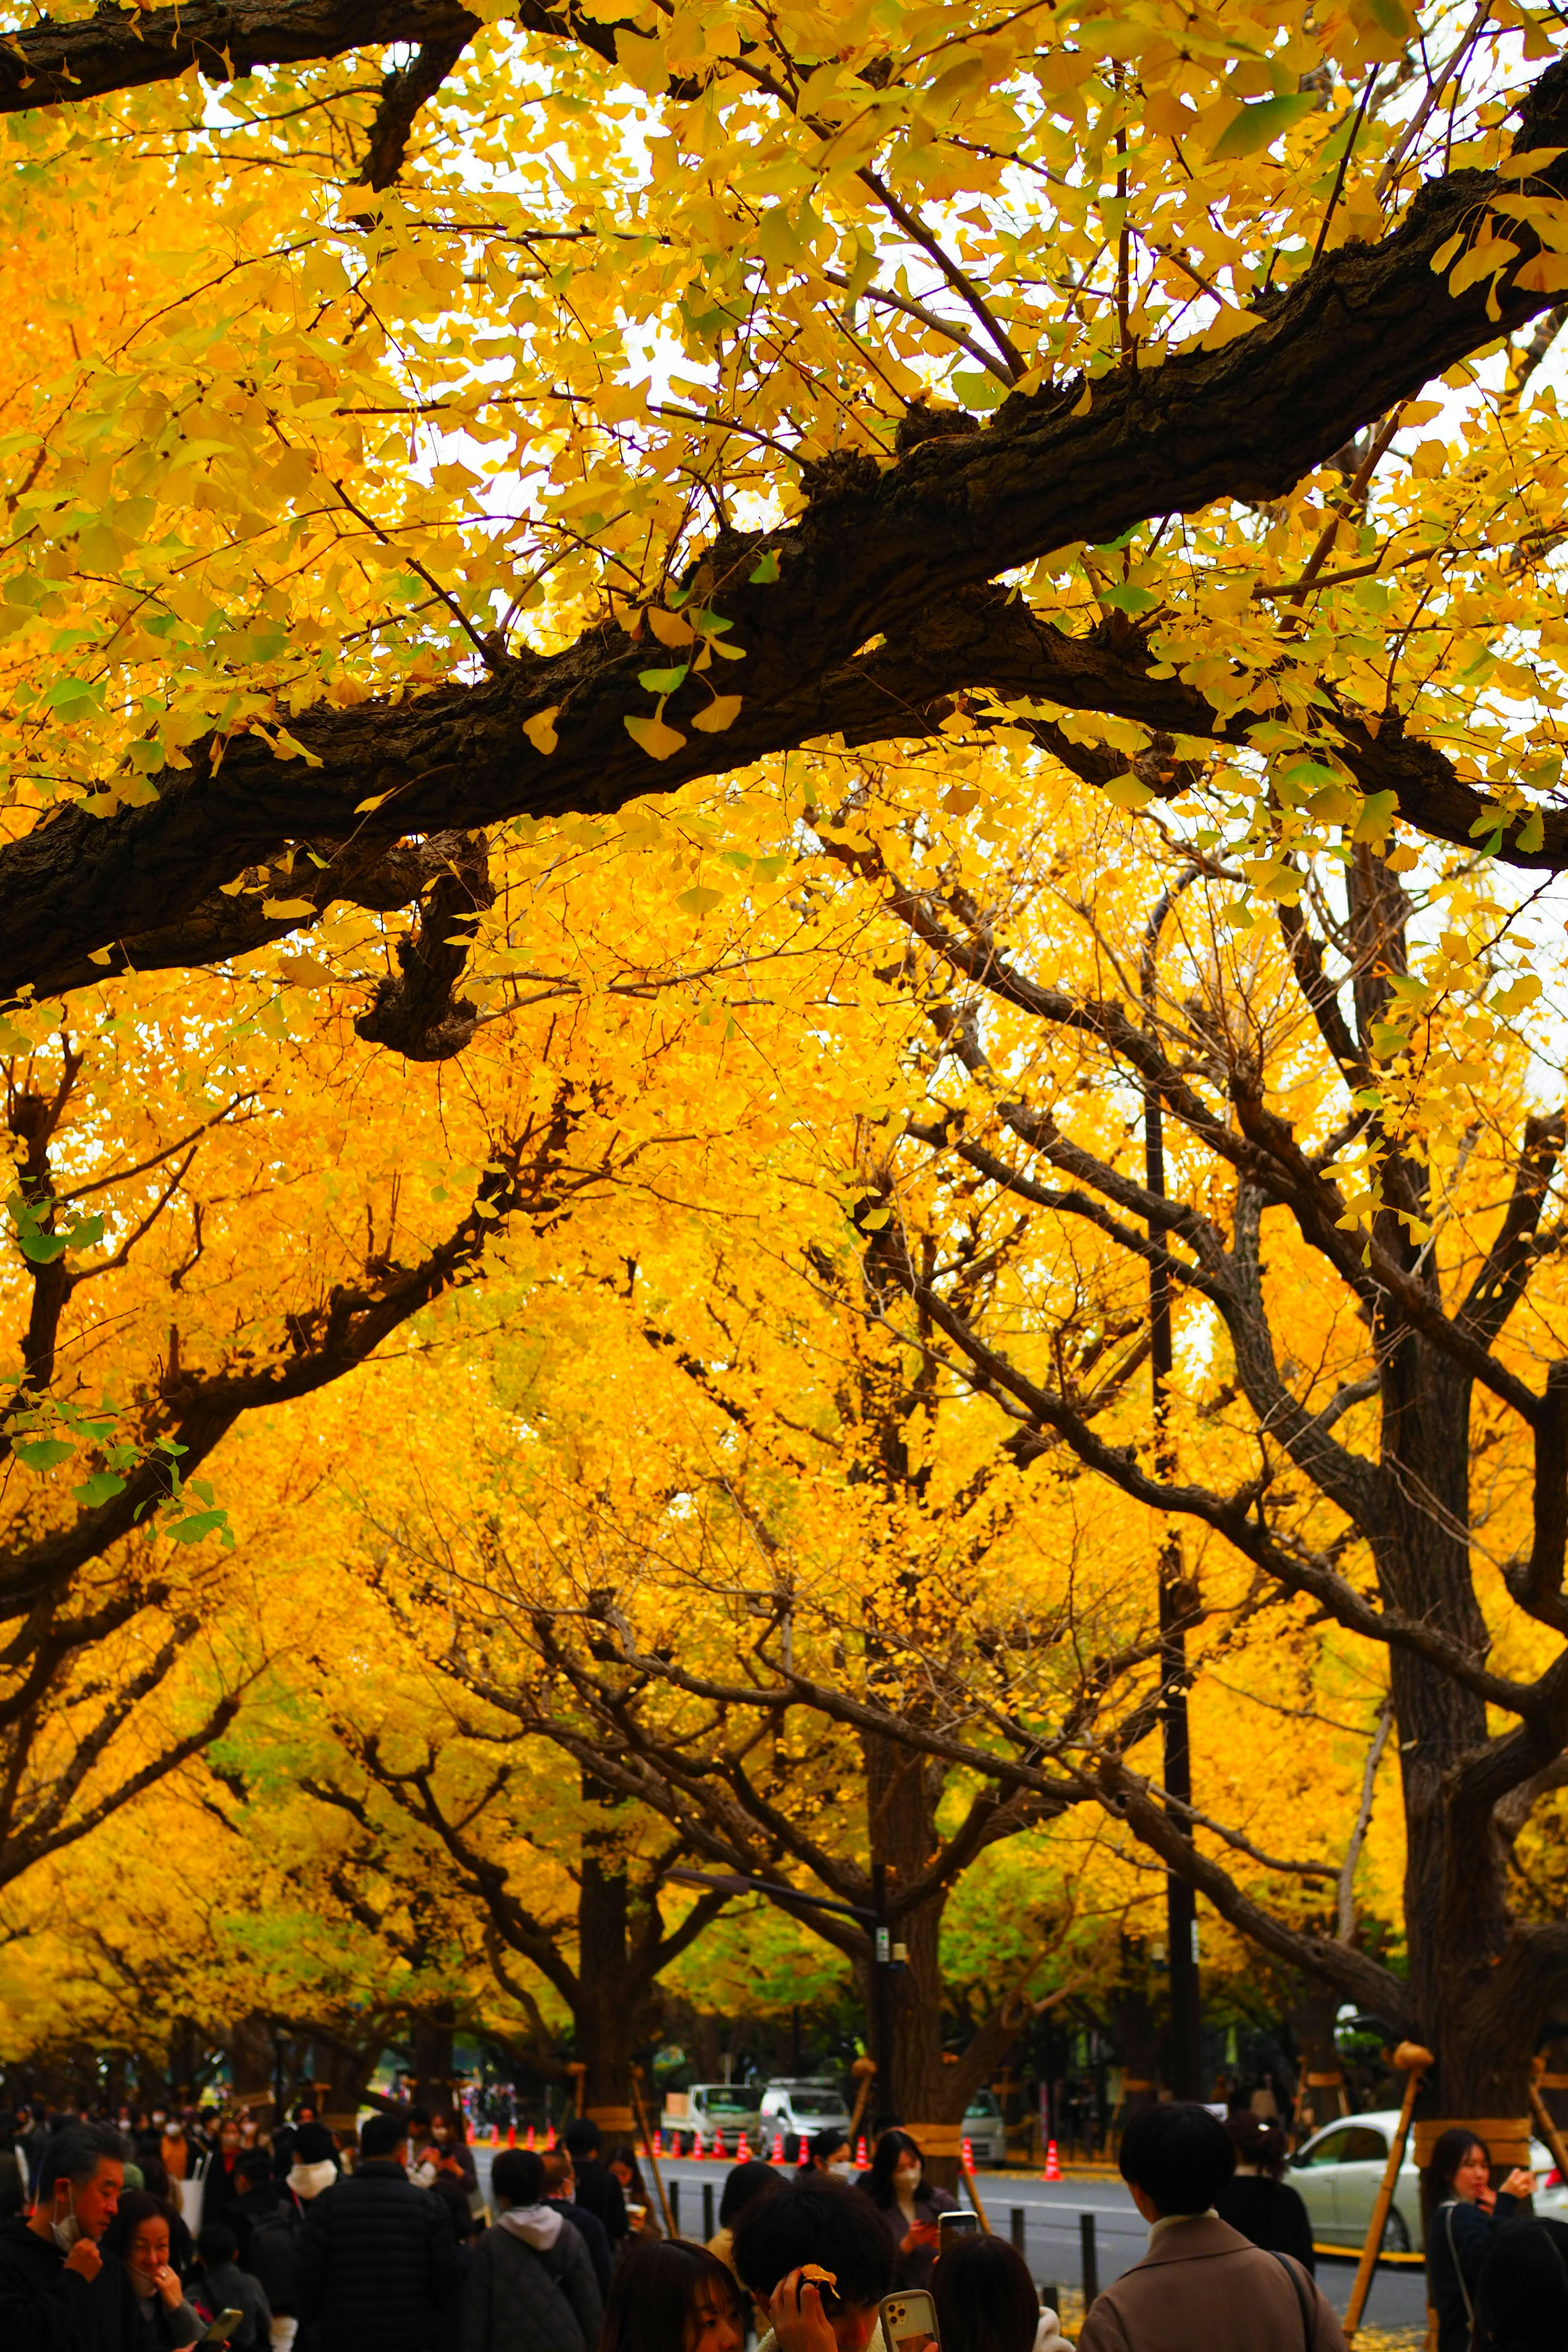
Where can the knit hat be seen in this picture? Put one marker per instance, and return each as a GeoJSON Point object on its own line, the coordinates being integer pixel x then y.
{"type": "Point", "coordinates": [314, 2144]}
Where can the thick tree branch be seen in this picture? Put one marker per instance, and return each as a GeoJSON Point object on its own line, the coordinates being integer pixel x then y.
{"type": "Point", "coordinates": [1363, 330]}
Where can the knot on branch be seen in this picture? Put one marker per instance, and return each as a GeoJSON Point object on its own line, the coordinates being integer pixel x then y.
{"type": "Point", "coordinates": [920, 422]}
{"type": "Point", "coordinates": [416, 1012]}
{"type": "Point", "coordinates": [841, 475]}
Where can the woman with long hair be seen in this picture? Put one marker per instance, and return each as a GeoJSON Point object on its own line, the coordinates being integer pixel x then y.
{"type": "Point", "coordinates": [986, 2300]}
{"type": "Point", "coordinates": [139, 2235]}
{"type": "Point", "coordinates": [1462, 2211]}
{"type": "Point", "coordinates": [627, 2172]}
{"type": "Point", "coordinates": [669, 2295]}
{"type": "Point", "coordinates": [1257, 2200]}
{"type": "Point", "coordinates": [910, 2209]}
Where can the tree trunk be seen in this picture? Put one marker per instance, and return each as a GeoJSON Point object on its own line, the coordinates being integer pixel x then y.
{"type": "Point", "coordinates": [608, 2008]}
{"type": "Point", "coordinates": [252, 2059]}
{"type": "Point", "coordinates": [430, 2056]}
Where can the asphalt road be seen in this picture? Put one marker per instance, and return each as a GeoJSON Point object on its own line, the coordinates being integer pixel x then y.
{"type": "Point", "coordinates": [1052, 2239]}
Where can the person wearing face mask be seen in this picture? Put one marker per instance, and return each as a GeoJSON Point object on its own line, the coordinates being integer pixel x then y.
{"type": "Point", "coordinates": [827, 2152]}
{"type": "Point", "coordinates": [897, 2187]}
{"type": "Point", "coordinates": [1465, 2210]}
{"type": "Point", "coordinates": [139, 2235]}
{"type": "Point", "coordinates": [58, 2291]}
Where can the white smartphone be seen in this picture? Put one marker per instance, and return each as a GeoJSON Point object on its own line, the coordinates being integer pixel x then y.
{"type": "Point", "coordinates": [909, 2321]}
{"type": "Point", "coordinates": [222, 2328]}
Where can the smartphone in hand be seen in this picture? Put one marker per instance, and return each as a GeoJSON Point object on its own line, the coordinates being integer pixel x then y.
{"type": "Point", "coordinates": [909, 2321]}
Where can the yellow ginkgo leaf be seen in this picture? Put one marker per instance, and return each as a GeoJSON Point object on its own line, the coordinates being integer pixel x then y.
{"type": "Point", "coordinates": [668, 628]}
{"type": "Point", "coordinates": [722, 712]}
{"type": "Point", "coordinates": [652, 736]}
{"type": "Point", "coordinates": [541, 729]}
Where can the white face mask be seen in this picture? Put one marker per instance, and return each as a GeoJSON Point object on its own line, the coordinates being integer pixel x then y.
{"type": "Point", "coordinates": [68, 2231]}
{"type": "Point", "coordinates": [908, 2177]}
{"type": "Point", "coordinates": [844, 2166]}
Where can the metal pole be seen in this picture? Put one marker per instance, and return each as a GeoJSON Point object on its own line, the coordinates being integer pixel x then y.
{"type": "Point", "coordinates": [674, 2205]}
{"type": "Point", "coordinates": [1180, 1902]}
{"type": "Point", "coordinates": [1018, 2222]}
{"type": "Point", "coordinates": [708, 2225]}
{"type": "Point", "coordinates": [1090, 2258]}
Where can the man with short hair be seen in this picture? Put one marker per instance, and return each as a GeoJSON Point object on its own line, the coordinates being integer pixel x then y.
{"type": "Point", "coordinates": [530, 2285]}
{"type": "Point", "coordinates": [815, 2219]}
{"type": "Point", "coordinates": [58, 2291]}
{"type": "Point", "coordinates": [598, 2189]}
{"type": "Point", "coordinates": [1202, 2286]}
{"type": "Point", "coordinates": [561, 2189]}
{"type": "Point", "coordinates": [377, 2261]}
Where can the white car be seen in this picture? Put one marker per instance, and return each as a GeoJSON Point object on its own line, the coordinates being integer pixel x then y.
{"type": "Point", "coordinates": [798, 2106]}
{"type": "Point", "coordinates": [1340, 2171]}
{"type": "Point", "coordinates": [985, 2129]}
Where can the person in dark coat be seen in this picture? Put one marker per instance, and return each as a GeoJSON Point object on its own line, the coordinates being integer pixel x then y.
{"type": "Point", "coordinates": [910, 2210]}
{"type": "Point", "coordinates": [530, 2285]}
{"type": "Point", "coordinates": [140, 2234]}
{"type": "Point", "coordinates": [1463, 2210]}
{"type": "Point", "coordinates": [224, 2286]}
{"type": "Point", "coordinates": [58, 2291]}
{"type": "Point", "coordinates": [1257, 2201]}
{"type": "Point", "coordinates": [377, 2261]}
{"type": "Point", "coordinates": [560, 2189]}
{"type": "Point", "coordinates": [597, 2187]}
{"type": "Point", "coordinates": [1522, 2294]}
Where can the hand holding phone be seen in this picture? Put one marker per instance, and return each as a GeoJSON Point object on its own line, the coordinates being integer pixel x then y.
{"type": "Point", "coordinates": [909, 2321]}
{"type": "Point", "coordinates": [222, 2328]}
{"type": "Point", "coordinates": [950, 2227]}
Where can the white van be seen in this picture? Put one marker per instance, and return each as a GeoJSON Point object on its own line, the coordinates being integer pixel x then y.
{"type": "Point", "coordinates": [799, 2107]}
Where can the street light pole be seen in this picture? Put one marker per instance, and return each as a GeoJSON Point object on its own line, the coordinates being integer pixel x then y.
{"type": "Point", "coordinates": [1180, 1902]}
{"type": "Point", "coordinates": [882, 1989]}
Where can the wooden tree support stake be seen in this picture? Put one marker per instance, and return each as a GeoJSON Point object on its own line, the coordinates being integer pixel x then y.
{"type": "Point", "coordinates": [1410, 2059]}
{"type": "Point", "coordinates": [647, 2143]}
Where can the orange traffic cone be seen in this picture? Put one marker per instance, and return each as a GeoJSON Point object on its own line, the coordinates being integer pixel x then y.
{"type": "Point", "coordinates": [778, 2155]}
{"type": "Point", "coordinates": [861, 2159]}
{"type": "Point", "coordinates": [657, 2140]}
{"type": "Point", "coordinates": [511, 2135]}
{"type": "Point", "coordinates": [742, 2149]}
{"type": "Point", "coordinates": [718, 2147]}
{"type": "Point", "coordinates": [529, 2141]}
{"type": "Point", "coordinates": [968, 2157]}
{"type": "Point", "coordinates": [549, 2139]}
{"type": "Point", "coordinates": [1053, 2161]}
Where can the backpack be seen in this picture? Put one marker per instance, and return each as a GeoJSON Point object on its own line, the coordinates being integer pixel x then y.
{"type": "Point", "coordinates": [274, 2238]}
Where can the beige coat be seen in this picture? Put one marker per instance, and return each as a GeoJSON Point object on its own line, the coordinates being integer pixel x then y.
{"type": "Point", "coordinates": [1203, 2287]}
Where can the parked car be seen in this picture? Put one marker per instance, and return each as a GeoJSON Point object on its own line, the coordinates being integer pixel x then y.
{"type": "Point", "coordinates": [1340, 2171]}
{"type": "Point", "coordinates": [985, 2129]}
{"type": "Point", "coordinates": [797, 2107]}
{"type": "Point", "coordinates": [694, 2119]}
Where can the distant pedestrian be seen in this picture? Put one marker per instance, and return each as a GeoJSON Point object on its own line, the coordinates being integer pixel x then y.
{"type": "Point", "coordinates": [1202, 2286]}
{"type": "Point", "coordinates": [1463, 2209]}
{"type": "Point", "coordinates": [530, 2285]}
{"type": "Point", "coordinates": [1256, 2200]}
{"type": "Point", "coordinates": [140, 2235]}
{"type": "Point", "coordinates": [58, 2291]}
{"type": "Point", "coordinates": [1522, 2294]}
{"type": "Point", "coordinates": [986, 2300]}
{"type": "Point", "coordinates": [377, 2261]}
{"type": "Point", "coordinates": [597, 2187]}
{"type": "Point", "coordinates": [909, 2206]}
{"type": "Point", "coordinates": [743, 2184]}
{"type": "Point", "coordinates": [829, 2150]}
{"type": "Point", "coordinates": [224, 2286]}
{"type": "Point", "coordinates": [13, 2169]}
{"type": "Point", "coordinates": [561, 2189]}
{"type": "Point", "coordinates": [672, 2296]}
{"type": "Point", "coordinates": [625, 2169]}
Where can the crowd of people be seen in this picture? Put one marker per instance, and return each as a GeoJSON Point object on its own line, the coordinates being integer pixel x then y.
{"type": "Point", "coordinates": [384, 2243]}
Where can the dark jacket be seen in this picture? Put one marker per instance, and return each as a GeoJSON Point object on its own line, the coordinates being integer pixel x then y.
{"type": "Point", "coordinates": [599, 2193]}
{"type": "Point", "coordinates": [224, 2286]}
{"type": "Point", "coordinates": [1271, 2214]}
{"type": "Point", "coordinates": [267, 2222]}
{"type": "Point", "coordinates": [1202, 2287]}
{"type": "Point", "coordinates": [913, 2269]}
{"type": "Point", "coordinates": [521, 2298]}
{"type": "Point", "coordinates": [44, 2307]}
{"type": "Point", "coordinates": [375, 2266]}
{"type": "Point", "coordinates": [1458, 2236]}
{"type": "Point", "coordinates": [590, 2229]}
